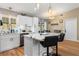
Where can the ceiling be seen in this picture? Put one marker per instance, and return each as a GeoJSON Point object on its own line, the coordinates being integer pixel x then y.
{"type": "Point", "coordinates": [29, 8]}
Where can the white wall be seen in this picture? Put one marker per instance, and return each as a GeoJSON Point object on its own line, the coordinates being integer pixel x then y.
{"type": "Point", "coordinates": [71, 29]}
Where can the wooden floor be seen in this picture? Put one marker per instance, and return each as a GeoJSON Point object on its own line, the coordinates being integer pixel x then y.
{"type": "Point", "coordinates": [69, 48]}
{"type": "Point", "coordinates": [13, 52]}
{"type": "Point", "coordinates": [66, 48]}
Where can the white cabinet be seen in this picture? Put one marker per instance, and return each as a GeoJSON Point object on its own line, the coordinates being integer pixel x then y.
{"type": "Point", "coordinates": [3, 44]}
{"type": "Point", "coordinates": [24, 20]}
{"type": "Point", "coordinates": [33, 47]}
{"type": "Point", "coordinates": [29, 22]}
{"type": "Point", "coordinates": [9, 41]}
{"type": "Point", "coordinates": [35, 27]}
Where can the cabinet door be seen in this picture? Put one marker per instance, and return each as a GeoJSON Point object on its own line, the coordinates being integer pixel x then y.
{"type": "Point", "coordinates": [16, 41]}
{"type": "Point", "coordinates": [10, 43]}
{"type": "Point", "coordinates": [3, 44]}
{"type": "Point", "coordinates": [28, 46]}
{"type": "Point", "coordinates": [22, 20]}
{"type": "Point", "coordinates": [28, 21]}
{"type": "Point", "coordinates": [6, 43]}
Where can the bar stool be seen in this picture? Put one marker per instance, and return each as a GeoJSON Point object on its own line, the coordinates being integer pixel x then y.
{"type": "Point", "coordinates": [49, 42]}
{"type": "Point", "coordinates": [61, 37]}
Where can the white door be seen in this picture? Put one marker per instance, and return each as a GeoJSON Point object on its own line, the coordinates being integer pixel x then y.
{"type": "Point", "coordinates": [71, 29]}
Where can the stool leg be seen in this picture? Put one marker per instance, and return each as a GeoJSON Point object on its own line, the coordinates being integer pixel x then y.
{"type": "Point", "coordinates": [47, 51]}
{"type": "Point", "coordinates": [57, 49]}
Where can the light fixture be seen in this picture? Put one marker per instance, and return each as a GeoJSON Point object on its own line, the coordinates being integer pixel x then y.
{"type": "Point", "coordinates": [61, 17]}
{"type": "Point", "coordinates": [36, 7]}
{"type": "Point", "coordinates": [9, 15]}
{"type": "Point", "coordinates": [52, 14]}
{"type": "Point", "coordinates": [50, 9]}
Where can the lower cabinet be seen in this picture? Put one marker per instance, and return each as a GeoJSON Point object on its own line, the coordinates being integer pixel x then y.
{"type": "Point", "coordinates": [9, 42]}
{"type": "Point", "coordinates": [33, 47]}
{"type": "Point", "coordinates": [3, 44]}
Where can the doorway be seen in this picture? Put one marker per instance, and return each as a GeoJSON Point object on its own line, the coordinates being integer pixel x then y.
{"type": "Point", "coordinates": [71, 29]}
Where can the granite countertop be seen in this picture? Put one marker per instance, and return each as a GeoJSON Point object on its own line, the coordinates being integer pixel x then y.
{"type": "Point", "coordinates": [35, 36]}
{"type": "Point", "coordinates": [41, 37]}
{"type": "Point", "coordinates": [4, 34]}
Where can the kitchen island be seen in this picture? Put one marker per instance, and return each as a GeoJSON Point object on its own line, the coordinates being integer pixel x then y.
{"type": "Point", "coordinates": [32, 46]}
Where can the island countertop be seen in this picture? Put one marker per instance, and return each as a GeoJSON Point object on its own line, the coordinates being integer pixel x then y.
{"type": "Point", "coordinates": [32, 46]}
{"type": "Point", "coordinates": [41, 37]}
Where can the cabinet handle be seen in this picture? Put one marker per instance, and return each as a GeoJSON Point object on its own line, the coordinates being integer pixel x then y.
{"type": "Point", "coordinates": [11, 39]}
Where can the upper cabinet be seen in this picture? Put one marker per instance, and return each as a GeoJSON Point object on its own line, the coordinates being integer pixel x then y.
{"type": "Point", "coordinates": [27, 23]}
{"type": "Point", "coordinates": [5, 20]}
{"type": "Point", "coordinates": [24, 20]}
{"type": "Point", "coordinates": [8, 22]}
{"type": "Point", "coordinates": [13, 21]}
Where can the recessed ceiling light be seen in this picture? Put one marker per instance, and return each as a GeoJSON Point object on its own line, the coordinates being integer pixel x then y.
{"type": "Point", "coordinates": [37, 5]}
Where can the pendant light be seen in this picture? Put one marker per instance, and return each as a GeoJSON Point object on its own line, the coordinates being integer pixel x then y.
{"type": "Point", "coordinates": [50, 12]}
